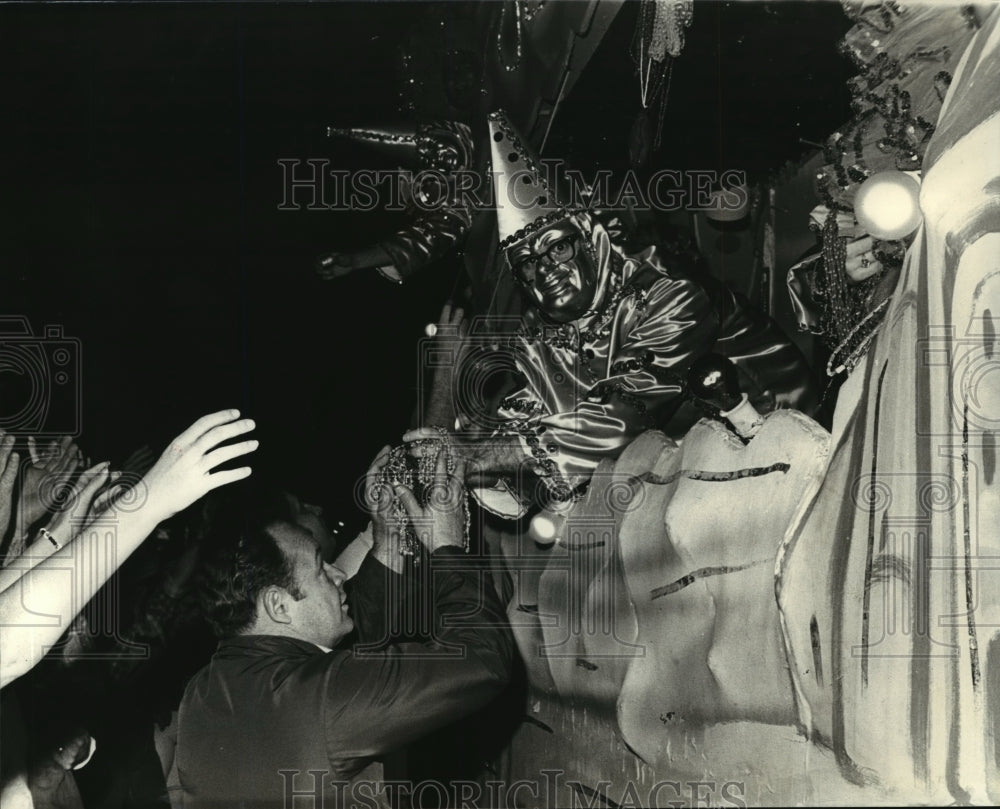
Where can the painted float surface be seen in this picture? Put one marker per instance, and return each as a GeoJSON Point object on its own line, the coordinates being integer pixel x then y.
{"type": "Point", "coordinates": [895, 560]}
{"type": "Point", "coordinates": [654, 649]}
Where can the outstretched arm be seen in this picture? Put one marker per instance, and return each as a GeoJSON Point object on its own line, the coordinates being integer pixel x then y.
{"type": "Point", "coordinates": [36, 608]}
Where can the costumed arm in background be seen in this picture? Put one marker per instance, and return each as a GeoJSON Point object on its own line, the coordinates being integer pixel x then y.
{"type": "Point", "coordinates": [864, 258]}
{"type": "Point", "coordinates": [443, 216]}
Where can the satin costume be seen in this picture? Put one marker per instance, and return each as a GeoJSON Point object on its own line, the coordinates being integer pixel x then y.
{"type": "Point", "coordinates": [440, 152]}
{"type": "Point", "coordinates": [593, 385]}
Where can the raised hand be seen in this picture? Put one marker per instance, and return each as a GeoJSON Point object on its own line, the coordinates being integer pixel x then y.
{"type": "Point", "coordinates": [183, 474]}
{"type": "Point", "coordinates": [861, 262]}
{"type": "Point", "coordinates": [441, 523]}
{"type": "Point", "coordinates": [9, 462]}
{"type": "Point", "coordinates": [452, 321]}
{"type": "Point", "coordinates": [344, 262]}
{"type": "Point", "coordinates": [139, 462]}
{"type": "Point", "coordinates": [57, 463]}
{"type": "Point", "coordinates": [378, 500]}
{"type": "Point", "coordinates": [78, 502]}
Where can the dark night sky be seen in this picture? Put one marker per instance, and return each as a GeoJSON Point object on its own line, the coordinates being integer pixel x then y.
{"type": "Point", "coordinates": [142, 190]}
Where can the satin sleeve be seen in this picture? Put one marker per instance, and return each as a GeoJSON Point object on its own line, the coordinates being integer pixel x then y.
{"type": "Point", "coordinates": [657, 334]}
{"type": "Point", "coordinates": [428, 238]}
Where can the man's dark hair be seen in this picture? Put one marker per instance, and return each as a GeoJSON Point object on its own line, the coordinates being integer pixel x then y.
{"type": "Point", "coordinates": [244, 557]}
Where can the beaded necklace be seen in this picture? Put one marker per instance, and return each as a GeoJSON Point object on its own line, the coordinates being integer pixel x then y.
{"type": "Point", "coordinates": [399, 470]}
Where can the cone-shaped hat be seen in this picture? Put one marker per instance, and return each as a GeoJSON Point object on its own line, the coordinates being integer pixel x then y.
{"type": "Point", "coordinates": [525, 200]}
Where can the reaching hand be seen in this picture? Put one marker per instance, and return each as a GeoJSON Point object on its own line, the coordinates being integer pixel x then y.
{"type": "Point", "coordinates": [76, 510]}
{"type": "Point", "coordinates": [378, 499]}
{"type": "Point", "coordinates": [441, 523]}
{"type": "Point", "coordinates": [9, 462]}
{"type": "Point", "coordinates": [451, 332]}
{"type": "Point", "coordinates": [109, 495]}
{"type": "Point", "coordinates": [334, 265]}
{"type": "Point", "coordinates": [139, 462]}
{"type": "Point", "coordinates": [341, 263]}
{"type": "Point", "coordinates": [183, 474]}
{"type": "Point", "coordinates": [861, 262]}
{"type": "Point", "coordinates": [452, 321]}
{"type": "Point", "coordinates": [56, 464]}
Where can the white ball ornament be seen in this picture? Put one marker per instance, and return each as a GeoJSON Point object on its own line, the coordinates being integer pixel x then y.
{"type": "Point", "coordinates": [543, 528]}
{"type": "Point", "coordinates": [887, 205]}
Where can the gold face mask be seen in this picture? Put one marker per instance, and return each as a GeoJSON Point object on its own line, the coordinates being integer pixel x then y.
{"type": "Point", "coordinates": [556, 269]}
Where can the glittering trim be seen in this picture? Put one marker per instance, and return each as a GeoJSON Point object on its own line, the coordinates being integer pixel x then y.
{"type": "Point", "coordinates": [540, 223]}
{"type": "Point", "coordinates": [371, 136]}
{"type": "Point", "coordinates": [525, 406]}
{"type": "Point", "coordinates": [541, 464]}
{"type": "Point", "coordinates": [517, 145]}
{"type": "Point", "coordinates": [603, 391]}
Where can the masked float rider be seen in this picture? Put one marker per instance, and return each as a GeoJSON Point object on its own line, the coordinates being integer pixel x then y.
{"type": "Point", "coordinates": [607, 339]}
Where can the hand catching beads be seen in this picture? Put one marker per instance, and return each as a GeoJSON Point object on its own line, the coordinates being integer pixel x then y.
{"type": "Point", "coordinates": [484, 461]}
{"type": "Point", "coordinates": [384, 510]}
{"type": "Point", "coordinates": [441, 520]}
{"type": "Point", "coordinates": [861, 262]}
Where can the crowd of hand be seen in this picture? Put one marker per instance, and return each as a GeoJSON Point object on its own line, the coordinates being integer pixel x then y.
{"type": "Point", "coordinates": [51, 500]}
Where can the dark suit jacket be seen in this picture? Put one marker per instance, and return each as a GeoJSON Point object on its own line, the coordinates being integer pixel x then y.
{"type": "Point", "coordinates": [272, 716]}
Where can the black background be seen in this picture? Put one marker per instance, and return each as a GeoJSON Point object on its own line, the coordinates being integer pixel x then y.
{"type": "Point", "coordinates": [141, 192]}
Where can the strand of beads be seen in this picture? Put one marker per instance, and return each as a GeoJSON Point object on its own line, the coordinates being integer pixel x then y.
{"type": "Point", "coordinates": [399, 470]}
{"type": "Point", "coordinates": [838, 315]}
{"type": "Point", "coordinates": [518, 46]}
{"type": "Point", "coordinates": [851, 356]}
{"type": "Point", "coordinates": [524, 13]}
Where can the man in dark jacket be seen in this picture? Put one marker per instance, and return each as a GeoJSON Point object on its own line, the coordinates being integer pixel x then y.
{"type": "Point", "coordinates": [280, 717]}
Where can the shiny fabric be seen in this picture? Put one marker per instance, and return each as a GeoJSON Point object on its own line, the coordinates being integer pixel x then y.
{"type": "Point", "coordinates": [268, 704]}
{"type": "Point", "coordinates": [444, 147]}
{"type": "Point", "coordinates": [427, 238]}
{"type": "Point", "coordinates": [649, 322]}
